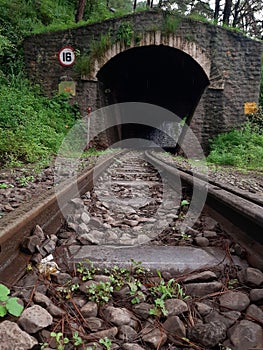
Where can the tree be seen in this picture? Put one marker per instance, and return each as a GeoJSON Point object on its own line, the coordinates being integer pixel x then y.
{"type": "Point", "coordinates": [227, 11]}
{"type": "Point", "coordinates": [217, 10]}
{"type": "Point", "coordinates": [80, 10]}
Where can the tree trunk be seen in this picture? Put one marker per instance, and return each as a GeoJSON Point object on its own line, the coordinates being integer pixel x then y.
{"type": "Point", "coordinates": [217, 9]}
{"type": "Point", "coordinates": [227, 12]}
{"type": "Point", "coordinates": [134, 5]}
{"type": "Point", "coordinates": [236, 13]}
{"type": "Point", "coordinates": [80, 10]}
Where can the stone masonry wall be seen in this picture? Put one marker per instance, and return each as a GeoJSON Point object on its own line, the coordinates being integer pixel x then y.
{"type": "Point", "coordinates": [234, 75]}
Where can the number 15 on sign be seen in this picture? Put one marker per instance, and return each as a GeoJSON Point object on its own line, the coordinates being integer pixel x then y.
{"type": "Point", "coordinates": [66, 56]}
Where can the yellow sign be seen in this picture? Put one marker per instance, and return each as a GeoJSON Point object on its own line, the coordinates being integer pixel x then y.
{"type": "Point", "coordinates": [67, 87]}
{"type": "Point", "coordinates": [250, 107]}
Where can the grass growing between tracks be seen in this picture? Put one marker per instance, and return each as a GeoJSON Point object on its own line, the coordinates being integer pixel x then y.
{"type": "Point", "coordinates": [242, 148]}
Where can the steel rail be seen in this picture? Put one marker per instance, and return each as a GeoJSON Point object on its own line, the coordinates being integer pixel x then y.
{"type": "Point", "coordinates": [45, 212]}
{"type": "Point", "coordinates": [241, 218]}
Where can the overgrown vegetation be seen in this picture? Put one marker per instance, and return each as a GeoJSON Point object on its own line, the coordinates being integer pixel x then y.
{"type": "Point", "coordinates": [240, 147]}
{"type": "Point", "coordinates": [124, 34]}
{"type": "Point", "coordinates": [32, 126]}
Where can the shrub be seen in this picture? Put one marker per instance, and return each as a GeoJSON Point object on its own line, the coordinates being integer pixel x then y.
{"type": "Point", "coordinates": [242, 148]}
{"type": "Point", "coordinates": [32, 126]}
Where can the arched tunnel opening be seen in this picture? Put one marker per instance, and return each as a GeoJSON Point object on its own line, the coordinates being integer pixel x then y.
{"type": "Point", "coordinates": [158, 75]}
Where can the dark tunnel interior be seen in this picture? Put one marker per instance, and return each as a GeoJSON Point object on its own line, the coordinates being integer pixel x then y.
{"type": "Point", "coordinates": [159, 75]}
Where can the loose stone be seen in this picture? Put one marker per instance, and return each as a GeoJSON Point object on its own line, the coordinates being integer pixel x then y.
{"type": "Point", "coordinates": [127, 333]}
{"type": "Point", "coordinates": [234, 301]}
{"type": "Point", "coordinates": [117, 316]}
{"type": "Point", "coordinates": [109, 333]}
{"type": "Point", "coordinates": [89, 310]}
{"type": "Point", "coordinates": [246, 335]}
{"type": "Point", "coordinates": [154, 337]}
{"type": "Point", "coordinates": [142, 310]}
{"type": "Point", "coordinates": [130, 346]}
{"type": "Point", "coordinates": [209, 334]}
{"type": "Point", "coordinates": [253, 277]}
{"type": "Point", "coordinates": [94, 324]}
{"type": "Point", "coordinates": [254, 313]}
{"type": "Point", "coordinates": [229, 318]}
{"type": "Point", "coordinates": [175, 307]}
{"type": "Point", "coordinates": [256, 295]}
{"type": "Point", "coordinates": [201, 277]}
{"type": "Point", "coordinates": [34, 319]}
{"type": "Point", "coordinates": [12, 337]}
{"type": "Point", "coordinates": [202, 289]}
{"type": "Point", "coordinates": [174, 326]}
{"type": "Point", "coordinates": [201, 241]}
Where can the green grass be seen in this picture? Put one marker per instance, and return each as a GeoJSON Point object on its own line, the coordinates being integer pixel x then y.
{"type": "Point", "coordinates": [32, 126]}
{"type": "Point", "coordinates": [240, 148]}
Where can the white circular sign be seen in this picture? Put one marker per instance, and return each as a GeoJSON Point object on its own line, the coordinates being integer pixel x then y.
{"type": "Point", "coordinates": [66, 56]}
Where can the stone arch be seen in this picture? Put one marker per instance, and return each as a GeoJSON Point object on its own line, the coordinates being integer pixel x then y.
{"type": "Point", "coordinates": [156, 38]}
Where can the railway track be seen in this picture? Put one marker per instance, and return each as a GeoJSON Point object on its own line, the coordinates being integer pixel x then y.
{"type": "Point", "coordinates": [135, 207]}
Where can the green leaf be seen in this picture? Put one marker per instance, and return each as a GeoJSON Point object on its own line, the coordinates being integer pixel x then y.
{"type": "Point", "coordinates": [13, 307]}
{"type": "Point", "coordinates": [184, 202]}
{"type": "Point", "coordinates": [4, 291]}
{"type": "Point", "coordinates": [3, 311]}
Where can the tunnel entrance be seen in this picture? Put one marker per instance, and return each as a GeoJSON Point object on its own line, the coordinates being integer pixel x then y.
{"type": "Point", "coordinates": [159, 75]}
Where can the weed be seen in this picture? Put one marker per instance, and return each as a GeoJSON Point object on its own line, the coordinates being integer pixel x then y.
{"type": "Point", "coordinates": [85, 61]}
{"type": "Point", "coordinates": [5, 186]}
{"type": "Point", "coordinates": [100, 292]}
{"type": "Point", "coordinates": [185, 236]}
{"type": "Point", "coordinates": [232, 283]}
{"type": "Point", "coordinates": [106, 342]}
{"type": "Point", "coordinates": [60, 340]}
{"type": "Point", "coordinates": [125, 33]}
{"type": "Point", "coordinates": [159, 308]}
{"type": "Point", "coordinates": [68, 290]}
{"type": "Point", "coordinates": [86, 271]}
{"type": "Point", "coordinates": [9, 304]}
{"type": "Point", "coordinates": [77, 339]}
{"type": "Point", "coordinates": [165, 290]}
{"type": "Point", "coordinates": [24, 180]}
{"type": "Point", "coordinates": [171, 24]}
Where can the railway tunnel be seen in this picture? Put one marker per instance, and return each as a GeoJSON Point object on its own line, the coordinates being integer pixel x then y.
{"type": "Point", "coordinates": [158, 75]}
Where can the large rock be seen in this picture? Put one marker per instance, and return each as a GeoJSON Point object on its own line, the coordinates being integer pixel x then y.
{"type": "Point", "coordinates": [251, 276]}
{"type": "Point", "coordinates": [155, 337]}
{"type": "Point", "coordinates": [237, 301]}
{"type": "Point", "coordinates": [228, 318]}
{"type": "Point", "coordinates": [175, 307]}
{"type": "Point", "coordinates": [34, 319]}
{"type": "Point", "coordinates": [127, 333]}
{"type": "Point", "coordinates": [90, 309]}
{"type": "Point", "coordinates": [256, 295]}
{"type": "Point", "coordinates": [131, 346]}
{"type": "Point", "coordinates": [142, 310]}
{"type": "Point", "coordinates": [246, 335]}
{"type": "Point", "coordinates": [174, 327]}
{"type": "Point", "coordinates": [12, 337]}
{"type": "Point", "coordinates": [117, 316]}
{"type": "Point", "coordinates": [201, 277]}
{"type": "Point", "coordinates": [202, 289]}
{"type": "Point", "coordinates": [209, 334]}
{"type": "Point", "coordinates": [254, 313]}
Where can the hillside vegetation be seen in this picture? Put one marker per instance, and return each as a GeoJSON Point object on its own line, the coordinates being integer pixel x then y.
{"type": "Point", "coordinates": [32, 126]}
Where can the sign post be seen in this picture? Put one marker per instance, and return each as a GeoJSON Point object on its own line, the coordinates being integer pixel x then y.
{"type": "Point", "coordinates": [88, 133]}
{"type": "Point", "coordinates": [66, 56]}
